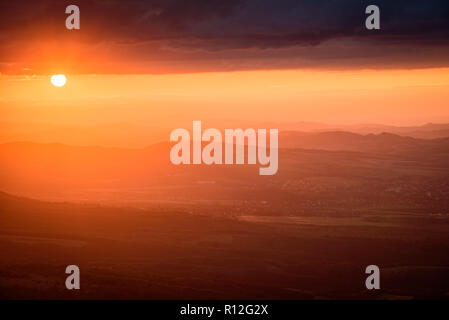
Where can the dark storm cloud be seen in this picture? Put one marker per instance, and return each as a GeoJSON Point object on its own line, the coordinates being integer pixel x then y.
{"type": "Point", "coordinates": [222, 26]}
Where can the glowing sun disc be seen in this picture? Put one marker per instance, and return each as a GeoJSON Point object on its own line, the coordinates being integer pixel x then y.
{"type": "Point", "coordinates": [58, 80]}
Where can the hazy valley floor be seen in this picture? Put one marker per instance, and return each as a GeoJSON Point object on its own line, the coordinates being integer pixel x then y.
{"type": "Point", "coordinates": [161, 254]}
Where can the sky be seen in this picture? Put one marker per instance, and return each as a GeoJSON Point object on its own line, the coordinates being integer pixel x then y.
{"type": "Point", "coordinates": [400, 97]}
{"type": "Point", "coordinates": [170, 62]}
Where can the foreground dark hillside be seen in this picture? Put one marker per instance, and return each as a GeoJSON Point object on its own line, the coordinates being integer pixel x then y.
{"type": "Point", "coordinates": [161, 253]}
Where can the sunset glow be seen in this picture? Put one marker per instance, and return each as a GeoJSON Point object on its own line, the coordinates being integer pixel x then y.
{"type": "Point", "coordinates": [224, 150]}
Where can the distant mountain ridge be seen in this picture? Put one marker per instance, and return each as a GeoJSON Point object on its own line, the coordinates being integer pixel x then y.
{"type": "Point", "coordinates": [330, 141]}
{"type": "Point", "coordinates": [425, 131]}
{"type": "Point", "coordinates": [348, 141]}
{"type": "Point", "coordinates": [125, 135]}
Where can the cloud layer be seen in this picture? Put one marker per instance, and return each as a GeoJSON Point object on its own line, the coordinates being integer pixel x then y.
{"type": "Point", "coordinates": [152, 36]}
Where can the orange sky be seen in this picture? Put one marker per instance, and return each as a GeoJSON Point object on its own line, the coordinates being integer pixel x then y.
{"type": "Point", "coordinates": [400, 97]}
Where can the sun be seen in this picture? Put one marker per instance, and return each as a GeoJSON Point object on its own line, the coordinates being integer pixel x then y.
{"type": "Point", "coordinates": [58, 80]}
